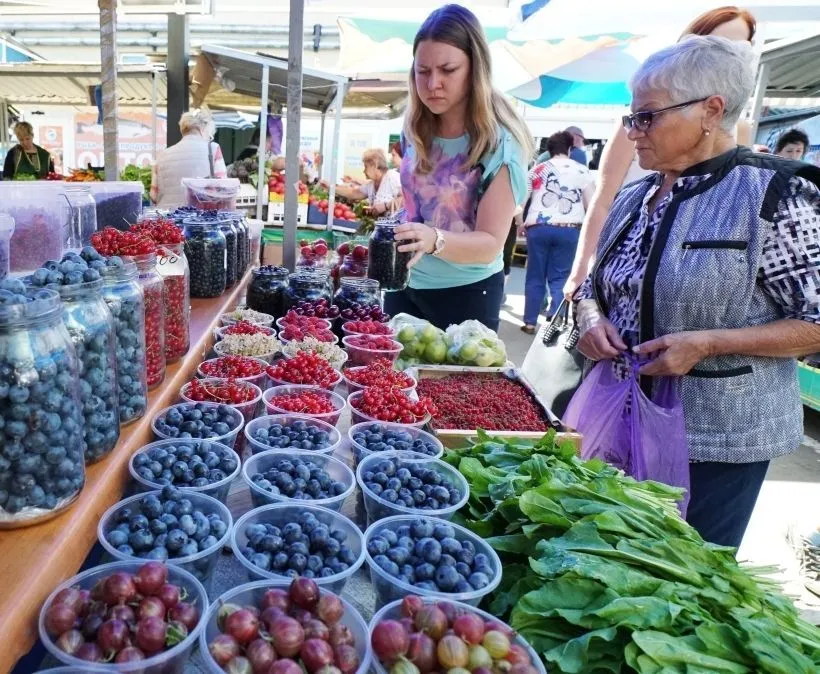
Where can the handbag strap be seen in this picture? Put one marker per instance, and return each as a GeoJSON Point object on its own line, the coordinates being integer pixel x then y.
{"type": "Point", "coordinates": [558, 323]}
{"type": "Point", "coordinates": [211, 159]}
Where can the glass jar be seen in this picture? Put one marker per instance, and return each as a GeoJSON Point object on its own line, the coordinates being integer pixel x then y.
{"type": "Point", "coordinates": [242, 246]}
{"type": "Point", "coordinates": [91, 326]}
{"type": "Point", "coordinates": [353, 267]}
{"type": "Point", "coordinates": [266, 291]}
{"type": "Point", "coordinates": [231, 261]}
{"type": "Point", "coordinates": [386, 264]}
{"type": "Point", "coordinates": [152, 291]}
{"type": "Point", "coordinates": [307, 286]}
{"type": "Point", "coordinates": [357, 291]}
{"type": "Point", "coordinates": [172, 266]}
{"type": "Point", "coordinates": [123, 294]}
{"type": "Point", "coordinates": [42, 469]}
{"type": "Point", "coordinates": [206, 250]}
{"type": "Point", "coordinates": [82, 222]}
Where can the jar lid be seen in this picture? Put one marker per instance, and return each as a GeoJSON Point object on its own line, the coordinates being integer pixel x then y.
{"type": "Point", "coordinates": [69, 292]}
{"type": "Point", "coordinates": [40, 302]}
{"type": "Point", "coordinates": [271, 270]}
{"type": "Point", "coordinates": [203, 220]}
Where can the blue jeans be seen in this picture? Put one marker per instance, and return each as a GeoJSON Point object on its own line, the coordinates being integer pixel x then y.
{"type": "Point", "coordinates": [550, 251]}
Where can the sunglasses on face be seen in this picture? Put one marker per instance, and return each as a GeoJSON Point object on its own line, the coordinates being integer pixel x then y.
{"type": "Point", "coordinates": [643, 120]}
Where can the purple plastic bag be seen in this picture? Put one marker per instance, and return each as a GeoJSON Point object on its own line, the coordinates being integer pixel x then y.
{"type": "Point", "coordinates": [644, 438]}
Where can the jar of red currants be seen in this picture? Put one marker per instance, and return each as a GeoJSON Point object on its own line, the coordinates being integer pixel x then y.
{"type": "Point", "coordinates": [153, 290]}
{"type": "Point", "coordinates": [172, 266]}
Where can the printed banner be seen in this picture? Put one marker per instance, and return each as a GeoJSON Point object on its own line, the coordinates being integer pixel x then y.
{"type": "Point", "coordinates": [135, 139]}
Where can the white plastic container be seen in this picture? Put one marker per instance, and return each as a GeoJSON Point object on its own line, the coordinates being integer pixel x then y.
{"type": "Point", "coordinates": [360, 451]}
{"type": "Point", "coordinates": [257, 446]}
{"type": "Point", "coordinates": [172, 661]}
{"type": "Point", "coordinates": [211, 194]}
{"type": "Point", "coordinates": [119, 202]}
{"type": "Point", "coordinates": [378, 508]}
{"type": "Point", "coordinates": [259, 463]}
{"type": "Point", "coordinates": [331, 418]}
{"type": "Point", "coordinates": [250, 594]}
{"type": "Point", "coordinates": [228, 439]}
{"type": "Point", "coordinates": [6, 231]}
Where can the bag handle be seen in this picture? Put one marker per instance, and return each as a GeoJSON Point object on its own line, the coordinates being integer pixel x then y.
{"type": "Point", "coordinates": [211, 159]}
{"type": "Point", "coordinates": [558, 322]}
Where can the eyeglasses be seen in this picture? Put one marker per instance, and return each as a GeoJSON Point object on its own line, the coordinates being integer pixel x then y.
{"type": "Point", "coordinates": [643, 120]}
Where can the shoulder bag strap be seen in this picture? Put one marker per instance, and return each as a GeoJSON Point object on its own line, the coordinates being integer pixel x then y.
{"type": "Point", "coordinates": [211, 159]}
{"type": "Point", "coordinates": [558, 323]}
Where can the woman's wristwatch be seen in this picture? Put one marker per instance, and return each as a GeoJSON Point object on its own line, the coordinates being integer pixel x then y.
{"type": "Point", "coordinates": [438, 246]}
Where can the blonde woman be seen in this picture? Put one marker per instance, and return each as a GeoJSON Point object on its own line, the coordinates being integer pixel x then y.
{"type": "Point", "coordinates": [619, 164]}
{"type": "Point", "coordinates": [195, 156]}
{"type": "Point", "coordinates": [26, 158]}
{"type": "Point", "coordinates": [463, 173]}
{"type": "Point", "coordinates": [383, 186]}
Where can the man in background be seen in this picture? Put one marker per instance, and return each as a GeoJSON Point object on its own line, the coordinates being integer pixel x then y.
{"type": "Point", "coordinates": [793, 144]}
{"type": "Point", "coordinates": [578, 141]}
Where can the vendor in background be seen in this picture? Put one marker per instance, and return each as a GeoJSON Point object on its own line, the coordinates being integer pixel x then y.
{"type": "Point", "coordinates": [253, 149]}
{"type": "Point", "coordinates": [382, 188]}
{"type": "Point", "coordinates": [26, 158]}
{"type": "Point", "coordinates": [577, 152]}
{"type": "Point", "coordinates": [195, 156]}
{"type": "Point", "coordinates": [619, 165]}
{"type": "Point", "coordinates": [792, 145]}
{"type": "Point", "coordinates": [464, 172]}
{"type": "Point", "coordinates": [395, 155]}
{"type": "Point", "coordinates": [560, 190]}
{"type": "Point", "coordinates": [705, 270]}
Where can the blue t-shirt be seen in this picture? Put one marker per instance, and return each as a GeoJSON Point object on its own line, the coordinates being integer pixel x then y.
{"type": "Point", "coordinates": [447, 197]}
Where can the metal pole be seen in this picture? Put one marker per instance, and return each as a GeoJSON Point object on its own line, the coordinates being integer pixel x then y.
{"type": "Point", "coordinates": [322, 146]}
{"type": "Point", "coordinates": [757, 101]}
{"type": "Point", "coordinates": [334, 153]}
{"type": "Point", "coordinates": [294, 131]}
{"type": "Point", "coordinates": [261, 153]}
{"type": "Point", "coordinates": [108, 65]}
{"type": "Point", "coordinates": [178, 83]}
{"type": "Point", "coordinates": [154, 115]}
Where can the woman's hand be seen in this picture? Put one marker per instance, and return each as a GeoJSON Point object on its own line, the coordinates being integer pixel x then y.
{"type": "Point", "coordinates": [421, 237]}
{"type": "Point", "coordinates": [573, 283]}
{"type": "Point", "coordinates": [675, 354]}
{"type": "Point", "coordinates": [599, 337]}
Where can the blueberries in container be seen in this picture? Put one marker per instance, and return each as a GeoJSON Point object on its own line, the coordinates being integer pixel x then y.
{"type": "Point", "coordinates": [379, 438]}
{"type": "Point", "coordinates": [197, 420]}
{"type": "Point", "coordinates": [298, 479]}
{"type": "Point", "coordinates": [411, 485]}
{"type": "Point", "coordinates": [299, 435]}
{"type": "Point", "coordinates": [206, 252]}
{"type": "Point", "coordinates": [186, 465]}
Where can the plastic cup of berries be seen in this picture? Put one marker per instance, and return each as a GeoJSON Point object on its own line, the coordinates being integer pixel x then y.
{"type": "Point", "coordinates": [380, 403]}
{"type": "Point", "coordinates": [296, 331]}
{"type": "Point", "coordinates": [364, 349]}
{"type": "Point", "coordinates": [367, 327]}
{"type": "Point", "coordinates": [309, 401]}
{"type": "Point", "coordinates": [375, 437]}
{"type": "Point", "coordinates": [243, 368]}
{"type": "Point", "coordinates": [292, 318]}
{"type": "Point", "coordinates": [306, 367]}
{"type": "Point", "coordinates": [248, 316]}
{"type": "Point", "coordinates": [380, 372]}
{"type": "Point", "coordinates": [243, 328]}
{"type": "Point", "coordinates": [266, 351]}
{"type": "Point", "coordinates": [292, 431]}
{"type": "Point", "coordinates": [241, 395]}
{"type": "Point", "coordinates": [206, 421]}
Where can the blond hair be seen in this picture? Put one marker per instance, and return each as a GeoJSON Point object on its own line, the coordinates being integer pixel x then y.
{"type": "Point", "coordinates": [24, 127]}
{"type": "Point", "coordinates": [376, 158]}
{"type": "Point", "coordinates": [487, 108]}
{"type": "Point", "coordinates": [197, 120]}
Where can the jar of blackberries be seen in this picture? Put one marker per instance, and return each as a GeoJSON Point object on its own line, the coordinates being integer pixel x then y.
{"type": "Point", "coordinates": [386, 264]}
{"type": "Point", "coordinates": [153, 290]}
{"type": "Point", "coordinates": [206, 250]}
{"type": "Point", "coordinates": [172, 266]}
{"type": "Point", "coordinates": [123, 294]}
{"type": "Point", "coordinates": [91, 326]}
{"type": "Point", "coordinates": [357, 292]}
{"type": "Point", "coordinates": [242, 241]}
{"type": "Point", "coordinates": [307, 286]}
{"type": "Point", "coordinates": [227, 228]}
{"type": "Point", "coordinates": [42, 468]}
{"type": "Point", "coordinates": [266, 291]}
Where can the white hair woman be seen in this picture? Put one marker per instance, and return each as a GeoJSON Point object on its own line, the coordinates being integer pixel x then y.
{"type": "Point", "coordinates": [195, 156]}
{"type": "Point", "coordinates": [708, 268]}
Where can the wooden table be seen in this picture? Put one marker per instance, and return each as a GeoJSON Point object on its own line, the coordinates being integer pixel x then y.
{"type": "Point", "coordinates": [34, 560]}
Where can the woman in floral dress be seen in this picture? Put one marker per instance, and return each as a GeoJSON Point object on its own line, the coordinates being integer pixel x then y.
{"type": "Point", "coordinates": [463, 171]}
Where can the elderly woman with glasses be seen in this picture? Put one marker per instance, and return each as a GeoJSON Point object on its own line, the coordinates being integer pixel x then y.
{"type": "Point", "coordinates": [709, 268]}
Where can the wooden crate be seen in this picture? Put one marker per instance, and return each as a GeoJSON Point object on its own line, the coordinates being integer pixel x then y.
{"type": "Point", "coordinates": [454, 437]}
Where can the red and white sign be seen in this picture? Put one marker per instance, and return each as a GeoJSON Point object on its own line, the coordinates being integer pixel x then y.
{"type": "Point", "coordinates": [136, 143]}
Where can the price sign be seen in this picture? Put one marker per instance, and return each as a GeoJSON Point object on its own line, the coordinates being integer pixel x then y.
{"type": "Point", "coordinates": [170, 264]}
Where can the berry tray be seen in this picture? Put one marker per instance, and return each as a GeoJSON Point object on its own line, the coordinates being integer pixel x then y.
{"type": "Point", "coordinates": [457, 437]}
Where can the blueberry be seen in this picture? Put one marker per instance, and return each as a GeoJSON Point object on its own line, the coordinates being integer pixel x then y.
{"type": "Point", "coordinates": [398, 555]}
{"type": "Point", "coordinates": [450, 546]}
{"type": "Point", "coordinates": [442, 531]}
{"type": "Point", "coordinates": [421, 528]}
{"type": "Point", "coordinates": [280, 561]}
{"type": "Point", "coordinates": [446, 578]}
{"type": "Point", "coordinates": [429, 549]}
{"type": "Point", "coordinates": [117, 538]}
{"type": "Point", "coordinates": [479, 580]}
{"type": "Point", "coordinates": [176, 540]}
{"type": "Point", "coordinates": [377, 546]}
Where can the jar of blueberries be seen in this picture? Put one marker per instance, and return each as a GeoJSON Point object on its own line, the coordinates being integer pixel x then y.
{"type": "Point", "coordinates": [242, 240]}
{"type": "Point", "coordinates": [227, 228]}
{"type": "Point", "coordinates": [206, 250]}
{"type": "Point", "coordinates": [91, 327]}
{"type": "Point", "coordinates": [153, 290]}
{"type": "Point", "coordinates": [42, 468]}
{"type": "Point", "coordinates": [172, 266]}
{"type": "Point", "coordinates": [357, 291]}
{"type": "Point", "coordinates": [266, 291]}
{"type": "Point", "coordinates": [385, 263]}
{"type": "Point", "coordinates": [307, 286]}
{"type": "Point", "coordinates": [123, 294]}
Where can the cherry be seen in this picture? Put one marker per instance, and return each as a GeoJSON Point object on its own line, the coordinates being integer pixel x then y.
{"type": "Point", "coordinates": [306, 367]}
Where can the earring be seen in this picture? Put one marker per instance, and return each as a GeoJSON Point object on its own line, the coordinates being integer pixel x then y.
{"type": "Point", "coordinates": [706, 132]}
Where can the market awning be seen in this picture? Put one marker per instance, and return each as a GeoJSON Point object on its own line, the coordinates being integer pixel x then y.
{"type": "Point", "coordinates": [792, 64]}
{"type": "Point", "coordinates": [41, 83]}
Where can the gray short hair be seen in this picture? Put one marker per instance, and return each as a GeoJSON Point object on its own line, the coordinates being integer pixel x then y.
{"type": "Point", "coordinates": [698, 67]}
{"type": "Point", "coordinates": [197, 120]}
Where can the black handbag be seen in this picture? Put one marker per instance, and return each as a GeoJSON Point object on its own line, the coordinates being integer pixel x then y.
{"type": "Point", "coordinates": [553, 364]}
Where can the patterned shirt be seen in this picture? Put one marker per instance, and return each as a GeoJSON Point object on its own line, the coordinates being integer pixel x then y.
{"type": "Point", "coordinates": [789, 267]}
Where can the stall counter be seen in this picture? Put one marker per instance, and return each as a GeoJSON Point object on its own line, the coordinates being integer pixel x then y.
{"type": "Point", "coordinates": [34, 560]}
